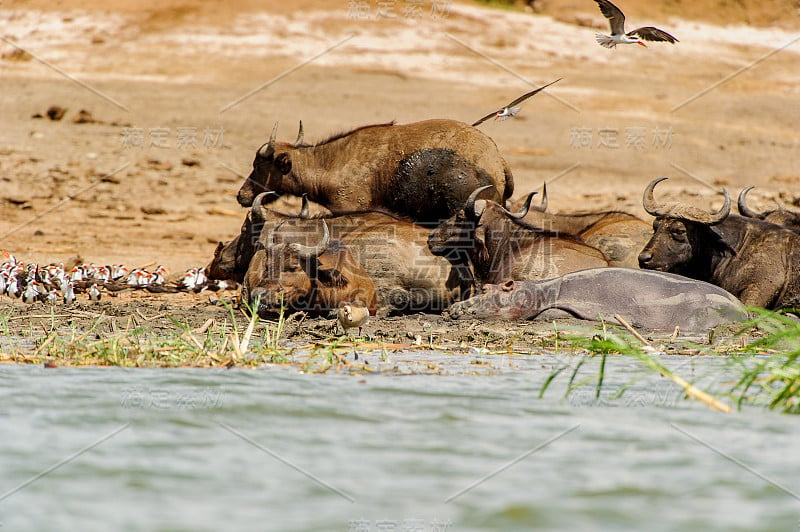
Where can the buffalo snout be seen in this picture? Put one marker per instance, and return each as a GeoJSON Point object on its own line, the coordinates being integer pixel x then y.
{"type": "Point", "coordinates": [644, 259]}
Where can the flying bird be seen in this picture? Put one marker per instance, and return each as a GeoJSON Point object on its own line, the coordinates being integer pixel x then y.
{"type": "Point", "coordinates": [511, 109]}
{"type": "Point", "coordinates": [616, 19]}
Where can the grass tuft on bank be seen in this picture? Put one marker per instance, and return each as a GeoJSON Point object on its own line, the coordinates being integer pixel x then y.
{"type": "Point", "coordinates": [762, 357]}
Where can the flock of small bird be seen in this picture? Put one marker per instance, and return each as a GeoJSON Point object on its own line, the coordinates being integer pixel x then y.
{"type": "Point", "coordinates": [53, 283]}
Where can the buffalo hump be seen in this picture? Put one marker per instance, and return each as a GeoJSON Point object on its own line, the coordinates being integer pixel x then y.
{"type": "Point", "coordinates": [431, 184]}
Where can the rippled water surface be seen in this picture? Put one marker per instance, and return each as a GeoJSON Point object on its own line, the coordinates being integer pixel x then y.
{"type": "Point", "coordinates": [274, 449]}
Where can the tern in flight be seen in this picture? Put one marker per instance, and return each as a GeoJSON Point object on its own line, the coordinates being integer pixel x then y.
{"type": "Point", "coordinates": [616, 19]}
{"type": "Point", "coordinates": [511, 109]}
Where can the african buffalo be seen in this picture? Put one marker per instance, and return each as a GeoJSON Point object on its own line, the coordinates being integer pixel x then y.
{"type": "Point", "coordinates": [618, 235]}
{"type": "Point", "coordinates": [392, 251]}
{"type": "Point", "coordinates": [756, 261]}
{"type": "Point", "coordinates": [780, 216]}
{"type": "Point", "coordinates": [299, 277]}
{"type": "Point", "coordinates": [413, 170]}
{"type": "Point", "coordinates": [501, 247]}
{"type": "Point", "coordinates": [232, 258]}
{"type": "Point", "coordinates": [646, 299]}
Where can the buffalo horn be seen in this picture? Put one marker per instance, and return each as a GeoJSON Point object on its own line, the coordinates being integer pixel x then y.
{"type": "Point", "coordinates": [721, 214]}
{"type": "Point", "coordinates": [469, 206]}
{"type": "Point", "coordinates": [744, 210]}
{"type": "Point", "coordinates": [299, 134]}
{"type": "Point", "coordinates": [542, 207]}
{"type": "Point", "coordinates": [269, 148]}
{"type": "Point", "coordinates": [271, 233]}
{"type": "Point", "coordinates": [312, 252]}
{"type": "Point", "coordinates": [649, 201]}
{"type": "Point", "coordinates": [685, 212]}
{"type": "Point", "coordinates": [257, 210]}
{"type": "Point", "coordinates": [523, 211]}
{"type": "Point", "coordinates": [304, 207]}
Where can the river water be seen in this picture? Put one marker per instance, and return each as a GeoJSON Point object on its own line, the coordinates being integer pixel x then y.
{"type": "Point", "coordinates": [276, 449]}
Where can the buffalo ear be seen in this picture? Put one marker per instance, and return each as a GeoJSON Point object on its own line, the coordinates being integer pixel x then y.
{"type": "Point", "coordinates": [220, 247]}
{"type": "Point", "coordinates": [283, 162]}
{"type": "Point", "coordinates": [718, 241]}
{"type": "Point", "coordinates": [332, 277]}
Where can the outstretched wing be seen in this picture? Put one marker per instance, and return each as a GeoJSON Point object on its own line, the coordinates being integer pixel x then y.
{"type": "Point", "coordinates": [514, 103]}
{"type": "Point", "coordinates": [649, 33]}
{"type": "Point", "coordinates": [487, 117]}
{"type": "Point", "coordinates": [529, 94]}
{"type": "Point", "coordinates": [616, 18]}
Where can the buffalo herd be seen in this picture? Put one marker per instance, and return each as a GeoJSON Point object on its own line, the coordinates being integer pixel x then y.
{"type": "Point", "coordinates": [422, 221]}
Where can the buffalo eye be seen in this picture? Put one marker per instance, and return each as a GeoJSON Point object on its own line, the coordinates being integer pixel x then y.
{"type": "Point", "coordinates": [679, 234]}
{"type": "Point", "coordinates": [283, 162]}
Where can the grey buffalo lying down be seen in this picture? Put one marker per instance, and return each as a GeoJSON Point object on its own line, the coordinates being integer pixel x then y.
{"type": "Point", "coordinates": [423, 170]}
{"type": "Point", "coordinates": [646, 299]}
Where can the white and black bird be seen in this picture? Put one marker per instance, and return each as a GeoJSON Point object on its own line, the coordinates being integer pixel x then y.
{"type": "Point", "coordinates": [194, 280]}
{"type": "Point", "coordinates": [139, 277]}
{"type": "Point", "coordinates": [53, 296]}
{"type": "Point", "coordinates": [511, 110]}
{"type": "Point", "coordinates": [102, 273]}
{"type": "Point", "coordinates": [76, 274]}
{"type": "Point", "coordinates": [616, 19]}
{"type": "Point", "coordinates": [69, 292]}
{"type": "Point", "coordinates": [33, 292]}
{"type": "Point", "coordinates": [12, 286]}
{"type": "Point", "coordinates": [94, 293]}
{"type": "Point", "coordinates": [159, 275]}
{"type": "Point", "coordinates": [9, 258]}
{"type": "Point", "coordinates": [118, 271]}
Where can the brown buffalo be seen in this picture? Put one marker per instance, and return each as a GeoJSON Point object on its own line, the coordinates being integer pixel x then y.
{"type": "Point", "coordinates": [393, 252]}
{"type": "Point", "coordinates": [315, 278]}
{"type": "Point", "coordinates": [780, 216]}
{"type": "Point", "coordinates": [501, 247]}
{"type": "Point", "coordinates": [756, 261]}
{"type": "Point", "coordinates": [620, 236]}
{"type": "Point", "coordinates": [421, 170]}
{"type": "Point", "coordinates": [232, 258]}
